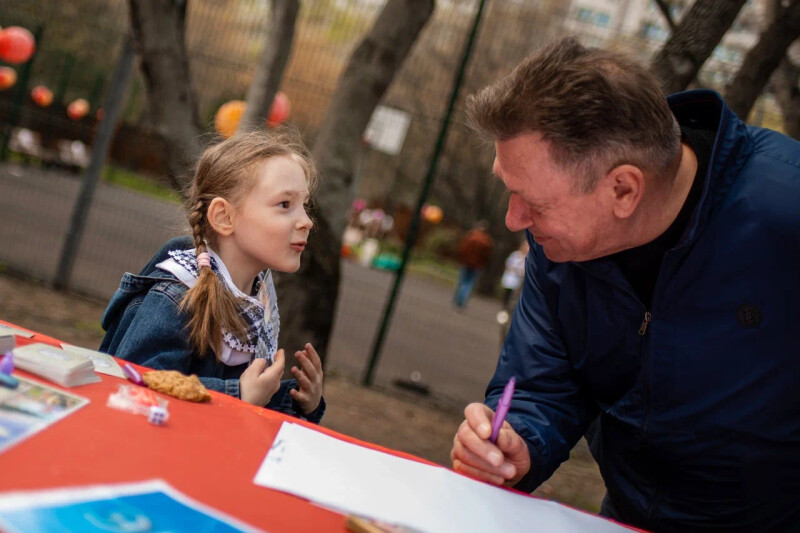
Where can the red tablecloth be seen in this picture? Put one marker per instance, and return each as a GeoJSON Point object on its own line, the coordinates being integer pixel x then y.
{"type": "Point", "coordinates": [209, 451]}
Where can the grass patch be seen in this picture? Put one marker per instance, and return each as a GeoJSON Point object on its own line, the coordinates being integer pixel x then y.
{"type": "Point", "coordinates": [127, 179]}
{"type": "Point", "coordinates": [438, 269]}
{"type": "Point", "coordinates": [91, 327]}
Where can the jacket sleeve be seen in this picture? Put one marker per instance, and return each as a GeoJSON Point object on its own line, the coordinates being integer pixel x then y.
{"type": "Point", "coordinates": [548, 409]}
{"type": "Point", "coordinates": [283, 402]}
{"type": "Point", "coordinates": [156, 339]}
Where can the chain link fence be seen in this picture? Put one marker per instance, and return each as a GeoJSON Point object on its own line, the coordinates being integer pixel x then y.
{"type": "Point", "coordinates": [437, 349]}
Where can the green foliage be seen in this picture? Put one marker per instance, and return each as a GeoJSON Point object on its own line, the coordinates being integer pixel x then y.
{"type": "Point", "coordinates": [441, 241]}
{"type": "Point", "coordinates": [136, 182]}
{"type": "Point", "coordinates": [90, 326]}
{"type": "Point", "coordinates": [439, 269]}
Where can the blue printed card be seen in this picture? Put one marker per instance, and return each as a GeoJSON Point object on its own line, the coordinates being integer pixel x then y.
{"type": "Point", "coordinates": [150, 506]}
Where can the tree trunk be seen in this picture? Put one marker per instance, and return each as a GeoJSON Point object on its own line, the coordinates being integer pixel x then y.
{"type": "Point", "coordinates": [269, 71]}
{"type": "Point", "coordinates": [785, 87]}
{"type": "Point", "coordinates": [308, 298]}
{"type": "Point", "coordinates": [158, 28]}
{"type": "Point", "coordinates": [763, 59]}
{"type": "Point", "coordinates": [696, 36]}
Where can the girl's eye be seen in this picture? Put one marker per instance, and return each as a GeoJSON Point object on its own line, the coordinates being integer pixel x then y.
{"type": "Point", "coordinates": [284, 204]}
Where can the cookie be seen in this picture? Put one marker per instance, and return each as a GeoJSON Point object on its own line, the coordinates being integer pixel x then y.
{"type": "Point", "coordinates": [177, 385]}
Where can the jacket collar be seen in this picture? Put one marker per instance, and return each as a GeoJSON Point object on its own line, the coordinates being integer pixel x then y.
{"type": "Point", "coordinates": [733, 144]}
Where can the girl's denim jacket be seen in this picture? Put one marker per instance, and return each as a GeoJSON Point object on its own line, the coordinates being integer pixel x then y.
{"type": "Point", "coordinates": [145, 325]}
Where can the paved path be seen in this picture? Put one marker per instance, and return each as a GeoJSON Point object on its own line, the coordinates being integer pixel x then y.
{"type": "Point", "coordinates": [454, 353]}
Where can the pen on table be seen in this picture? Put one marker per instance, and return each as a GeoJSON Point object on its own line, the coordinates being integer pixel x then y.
{"type": "Point", "coordinates": [7, 363]}
{"type": "Point", "coordinates": [132, 374]}
{"type": "Point", "coordinates": [502, 409]}
{"type": "Point", "coordinates": [6, 367]}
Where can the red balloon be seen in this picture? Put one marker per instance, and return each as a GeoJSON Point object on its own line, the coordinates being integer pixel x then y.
{"type": "Point", "coordinates": [42, 96]}
{"type": "Point", "coordinates": [280, 109]}
{"type": "Point", "coordinates": [77, 109]}
{"type": "Point", "coordinates": [16, 44]}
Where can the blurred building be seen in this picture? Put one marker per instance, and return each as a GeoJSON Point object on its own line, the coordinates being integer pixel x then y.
{"type": "Point", "coordinates": [639, 27]}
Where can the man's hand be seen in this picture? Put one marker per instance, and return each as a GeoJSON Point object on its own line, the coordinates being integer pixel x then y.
{"type": "Point", "coordinates": [503, 463]}
{"type": "Point", "coordinates": [309, 377]}
{"type": "Point", "coordinates": [257, 385]}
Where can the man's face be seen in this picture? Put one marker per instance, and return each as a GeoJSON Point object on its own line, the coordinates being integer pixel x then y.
{"type": "Point", "coordinates": [570, 226]}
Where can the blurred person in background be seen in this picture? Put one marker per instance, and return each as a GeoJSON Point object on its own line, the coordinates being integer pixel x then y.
{"type": "Point", "coordinates": [474, 252]}
{"type": "Point", "coordinates": [656, 314]}
{"type": "Point", "coordinates": [513, 273]}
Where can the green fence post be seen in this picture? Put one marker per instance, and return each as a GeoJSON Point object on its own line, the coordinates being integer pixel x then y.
{"type": "Point", "coordinates": [63, 80]}
{"type": "Point", "coordinates": [100, 147]}
{"type": "Point", "coordinates": [412, 232]}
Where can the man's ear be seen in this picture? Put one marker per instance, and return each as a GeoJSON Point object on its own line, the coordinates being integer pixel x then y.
{"type": "Point", "coordinates": [627, 182]}
{"type": "Point", "coordinates": [220, 216]}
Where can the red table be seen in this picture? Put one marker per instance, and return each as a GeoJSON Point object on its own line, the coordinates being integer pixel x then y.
{"type": "Point", "coordinates": [209, 451]}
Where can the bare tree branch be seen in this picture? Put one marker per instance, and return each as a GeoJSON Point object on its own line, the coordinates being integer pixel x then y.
{"type": "Point", "coordinates": [763, 59]}
{"type": "Point", "coordinates": [309, 297]}
{"type": "Point", "coordinates": [696, 36]}
{"type": "Point", "coordinates": [158, 29]}
{"type": "Point", "coordinates": [663, 5]}
{"type": "Point", "coordinates": [787, 92]}
{"type": "Point", "coordinates": [274, 58]}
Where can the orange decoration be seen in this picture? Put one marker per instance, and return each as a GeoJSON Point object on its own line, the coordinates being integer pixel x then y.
{"type": "Point", "coordinates": [16, 44]}
{"type": "Point", "coordinates": [432, 213]}
{"type": "Point", "coordinates": [8, 77]}
{"type": "Point", "coordinates": [228, 116]}
{"type": "Point", "coordinates": [77, 109]}
{"type": "Point", "coordinates": [42, 96]}
{"type": "Point", "coordinates": [280, 109]}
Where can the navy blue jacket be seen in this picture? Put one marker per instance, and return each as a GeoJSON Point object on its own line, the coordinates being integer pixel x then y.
{"type": "Point", "coordinates": [693, 415]}
{"type": "Point", "coordinates": [144, 325]}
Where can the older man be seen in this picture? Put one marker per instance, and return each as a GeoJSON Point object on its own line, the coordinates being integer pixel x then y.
{"type": "Point", "coordinates": [657, 309]}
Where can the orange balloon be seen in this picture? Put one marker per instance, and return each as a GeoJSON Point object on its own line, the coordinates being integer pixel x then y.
{"type": "Point", "coordinates": [280, 109]}
{"type": "Point", "coordinates": [228, 116]}
{"type": "Point", "coordinates": [8, 77]}
{"type": "Point", "coordinates": [16, 44]}
{"type": "Point", "coordinates": [42, 96]}
{"type": "Point", "coordinates": [432, 213]}
{"type": "Point", "coordinates": [77, 109]}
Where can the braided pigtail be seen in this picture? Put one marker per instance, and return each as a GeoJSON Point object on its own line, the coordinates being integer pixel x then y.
{"type": "Point", "coordinates": [210, 306]}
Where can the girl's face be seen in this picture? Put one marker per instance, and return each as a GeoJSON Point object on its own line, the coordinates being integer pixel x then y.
{"type": "Point", "coordinates": [271, 225]}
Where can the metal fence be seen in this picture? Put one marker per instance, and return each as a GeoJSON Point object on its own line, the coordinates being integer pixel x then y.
{"type": "Point", "coordinates": [452, 353]}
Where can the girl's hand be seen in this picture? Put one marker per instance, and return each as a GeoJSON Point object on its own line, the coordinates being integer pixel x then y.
{"type": "Point", "coordinates": [257, 385]}
{"type": "Point", "coordinates": [309, 377]}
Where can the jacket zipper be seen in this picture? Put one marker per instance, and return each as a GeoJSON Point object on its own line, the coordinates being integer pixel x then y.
{"type": "Point", "coordinates": [643, 327]}
{"type": "Point", "coordinates": [645, 371]}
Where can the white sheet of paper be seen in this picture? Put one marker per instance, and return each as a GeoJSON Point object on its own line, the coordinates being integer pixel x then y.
{"type": "Point", "coordinates": [102, 362]}
{"type": "Point", "coordinates": [15, 331]}
{"type": "Point", "coordinates": [354, 479]}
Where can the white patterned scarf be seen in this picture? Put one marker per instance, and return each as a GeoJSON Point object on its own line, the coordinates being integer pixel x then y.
{"type": "Point", "coordinates": [259, 311]}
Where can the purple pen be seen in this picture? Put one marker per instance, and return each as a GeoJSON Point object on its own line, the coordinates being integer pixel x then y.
{"type": "Point", "coordinates": [502, 409]}
{"type": "Point", "coordinates": [132, 374]}
{"type": "Point", "coordinates": [7, 363]}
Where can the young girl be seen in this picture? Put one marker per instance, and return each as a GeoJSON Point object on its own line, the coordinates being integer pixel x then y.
{"type": "Point", "coordinates": [206, 305]}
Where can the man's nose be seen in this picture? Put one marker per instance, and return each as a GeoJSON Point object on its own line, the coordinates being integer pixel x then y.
{"type": "Point", "coordinates": [517, 217]}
